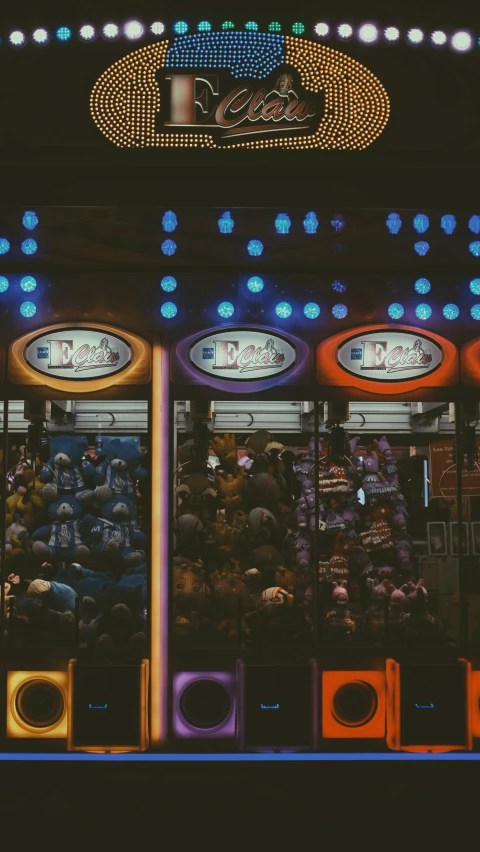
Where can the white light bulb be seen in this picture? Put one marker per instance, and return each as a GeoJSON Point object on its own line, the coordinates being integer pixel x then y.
{"type": "Point", "coordinates": [134, 29]}
{"type": "Point", "coordinates": [462, 41]}
{"type": "Point", "coordinates": [344, 30]}
{"type": "Point", "coordinates": [415, 36]}
{"type": "Point", "coordinates": [87, 32]}
{"type": "Point", "coordinates": [157, 28]}
{"type": "Point", "coordinates": [110, 31]}
{"type": "Point", "coordinates": [322, 29]}
{"type": "Point", "coordinates": [368, 33]}
{"type": "Point", "coordinates": [17, 38]}
{"type": "Point", "coordinates": [439, 38]}
{"type": "Point", "coordinates": [392, 33]}
{"type": "Point", "coordinates": [40, 36]}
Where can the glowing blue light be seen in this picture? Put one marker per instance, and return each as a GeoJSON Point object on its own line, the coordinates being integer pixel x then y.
{"type": "Point", "coordinates": [338, 223]}
{"type": "Point", "coordinates": [40, 36]}
{"type": "Point", "coordinates": [226, 223]}
{"type": "Point", "coordinates": [274, 27]}
{"type": "Point", "coordinates": [475, 286]}
{"type": "Point", "coordinates": [311, 310]}
{"type": "Point", "coordinates": [283, 310]}
{"type": "Point", "coordinates": [204, 27]}
{"type": "Point", "coordinates": [168, 284]}
{"type": "Point", "coordinates": [168, 310]}
{"type": "Point", "coordinates": [134, 29]}
{"type": "Point", "coordinates": [226, 310]}
{"type": "Point", "coordinates": [451, 311]}
{"type": "Point", "coordinates": [17, 38]}
{"type": "Point", "coordinates": [310, 223]}
{"type": "Point", "coordinates": [4, 245]}
{"type": "Point", "coordinates": [28, 283]}
{"type": "Point", "coordinates": [169, 221]}
{"type": "Point", "coordinates": [169, 247]}
{"type": "Point", "coordinates": [87, 32]}
{"type": "Point", "coordinates": [28, 309]}
{"type": "Point", "coordinates": [395, 310]}
{"type": "Point", "coordinates": [255, 284]}
{"type": "Point", "coordinates": [4, 284]}
{"type": "Point", "coordinates": [339, 286]}
{"type": "Point", "coordinates": [423, 311]}
{"type": "Point", "coordinates": [111, 30]}
{"type": "Point", "coordinates": [64, 33]}
{"type": "Point", "coordinates": [394, 223]}
{"type": "Point", "coordinates": [244, 54]}
{"type": "Point", "coordinates": [282, 223]}
{"type": "Point", "coordinates": [322, 30]}
{"type": "Point", "coordinates": [251, 26]}
{"type": "Point", "coordinates": [475, 248]}
{"type": "Point", "coordinates": [255, 248]}
{"type": "Point", "coordinates": [157, 28]}
{"type": "Point", "coordinates": [421, 248]}
{"type": "Point", "coordinates": [29, 246]}
{"type": "Point", "coordinates": [448, 223]}
{"type": "Point", "coordinates": [421, 223]}
{"type": "Point", "coordinates": [474, 224]}
{"type": "Point", "coordinates": [180, 28]}
{"type": "Point", "coordinates": [422, 286]}
{"type": "Point", "coordinates": [475, 312]}
{"type": "Point", "coordinates": [30, 220]}
{"type": "Point", "coordinates": [339, 311]}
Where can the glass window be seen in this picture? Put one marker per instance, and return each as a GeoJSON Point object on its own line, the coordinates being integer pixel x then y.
{"type": "Point", "coordinates": [78, 517]}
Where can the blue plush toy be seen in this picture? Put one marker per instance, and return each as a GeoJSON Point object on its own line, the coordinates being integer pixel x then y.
{"type": "Point", "coordinates": [117, 474]}
{"type": "Point", "coordinates": [103, 588]}
{"type": "Point", "coordinates": [115, 534]}
{"type": "Point", "coordinates": [66, 470]}
{"type": "Point", "coordinates": [55, 595]}
{"type": "Point", "coordinates": [61, 540]}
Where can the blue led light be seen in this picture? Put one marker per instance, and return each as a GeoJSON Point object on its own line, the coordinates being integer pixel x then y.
{"type": "Point", "coordinates": [451, 311]}
{"type": "Point", "coordinates": [311, 310]}
{"type": "Point", "coordinates": [226, 223]}
{"type": "Point", "coordinates": [475, 248]}
{"type": "Point", "coordinates": [423, 311]}
{"type": "Point", "coordinates": [255, 284]}
{"type": "Point", "coordinates": [244, 54]}
{"type": "Point", "coordinates": [64, 33]}
{"type": "Point", "coordinates": [421, 223]}
{"type": "Point", "coordinates": [338, 223]}
{"type": "Point", "coordinates": [283, 310]}
{"type": "Point", "coordinates": [228, 25]}
{"type": "Point", "coordinates": [475, 312]}
{"type": "Point", "coordinates": [226, 310]}
{"type": "Point", "coordinates": [255, 248]}
{"type": "Point", "coordinates": [180, 28]}
{"type": "Point", "coordinates": [421, 248]}
{"type": "Point", "coordinates": [274, 27]}
{"type": "Point", "coordinates": [422, 286]}
{"type": "Point", "coordinates": [29, 246]}
{"type": "Point", "coordinates": [28, 309]}
{"type": "Point", "coordinates": [448, 223]}
{"type": "Point", "coordinates": [395, 310]}
{"type": "Point", "coordinates": [251, 26]}
{"type": "Point", "coordinates": [475, 286]}
{"type": "Point", "coordinates": [394, 222]}
{"type": "Point", "coordinates": [339, 286]}
{"type": "Point", "coordinates": [169, 221]}
{"type": "Point", "coordinates": [339, 311]}
{"type": "Point", "coordinates": [168, 284]}
{"type": "Point", "coordinates": [474, 224]}
{"type": "Point", "coordinates": [310, 223]}
{"type": "Point", "coordinates": [282, 223]}
{"type": "Point", "coordinates": [4, 245]}
{"type": "Point", "coordinates": [30, 220]}
{"type": "Point", "coordinates": [168, 310]}
{"type": "Point", "coordinates": [28, 283]}
{"type": "Point", "coordinates": [169, 247]}
{"type": "Point", "coordinates": [4, 284]}
{"type": "Point", "coordinates": [204, 27]}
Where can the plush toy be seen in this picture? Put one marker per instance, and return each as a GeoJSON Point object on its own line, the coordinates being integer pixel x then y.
{"type": "Point", "coordinates": [103, 588]}
{"type": "Point", "coordinates": [121, 641]}
{"type": "Point", "coordinates": [397, 613]}
{"type": "Point", "coordinates": [229, 599]}
{"type": "Point", "coordinates": [61, 540]}
{"type": "Point", "coordinates": [231, 487]}
{"type": "Point", "coordinates": [339, 622]}
{"type": "Point", "coordinates": [115, 534]}
{"type": "Point", "coordinates": [198, 496]}
{"type": "Point", "coordinates": [54, 595]}
{"type": "Point", "coordinates": [333, 479]}
{"type": "Point", "coordinates": [376, 613]}
{"type": "Point", "coordinates": [265, 453]}
{"type": "Point", "coordinates": [263, 489]}
{"type": "Point", "coordinates": [302, 551]}
{"type": "Point", "coordinates": [225, 448]}
{"type": "Point", "coordinates": [119, 471]}
{"type": "Point", "coordinates": [190, 532]}
{"type": "Point", "coordinates": [225, 537]}
{"type": "Point", "coordinates": [377, 538]}
{"type": "Point", "coordinates": [190, 596]}
{"type": "Point", "coordinates": [66, 469]}
{"type": "Point", "coordinates": [262, 524]}
{"type": "Point", "coordinates": [336, 569]}
{"type": "Point", "coordinates": [389, 467]}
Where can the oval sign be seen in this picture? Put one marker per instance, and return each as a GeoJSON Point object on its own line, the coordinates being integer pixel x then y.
{"type": "Point", "coordinates": [237, 355]}
{"type": "Point", "coordinates": [387, 355]}
{"type": "Point", "coordinates": [78, 354]}
{"type": "Point", "coordinates": [239, 90]}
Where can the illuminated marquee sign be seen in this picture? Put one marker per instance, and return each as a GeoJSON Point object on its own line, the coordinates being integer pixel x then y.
{"type": "Point", "coordinates": [239, 90]}
{"type": "Point", "coordinates": [389, 356]}
{"type": "Point", "coordinates": [242, 355]}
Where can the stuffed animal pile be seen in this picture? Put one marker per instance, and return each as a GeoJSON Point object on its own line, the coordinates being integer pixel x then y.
{"type": "Point", "coordinates": [76, 549]}
{"type": "Point", "coordinates": [246, 546]}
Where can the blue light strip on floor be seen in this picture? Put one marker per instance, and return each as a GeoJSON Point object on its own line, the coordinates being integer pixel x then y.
{"type": "Point", "coordinates": [228, 758]}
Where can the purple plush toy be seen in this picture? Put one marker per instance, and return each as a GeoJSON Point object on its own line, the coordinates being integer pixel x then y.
{"type": "Point", "coordinates": [301, 515]}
